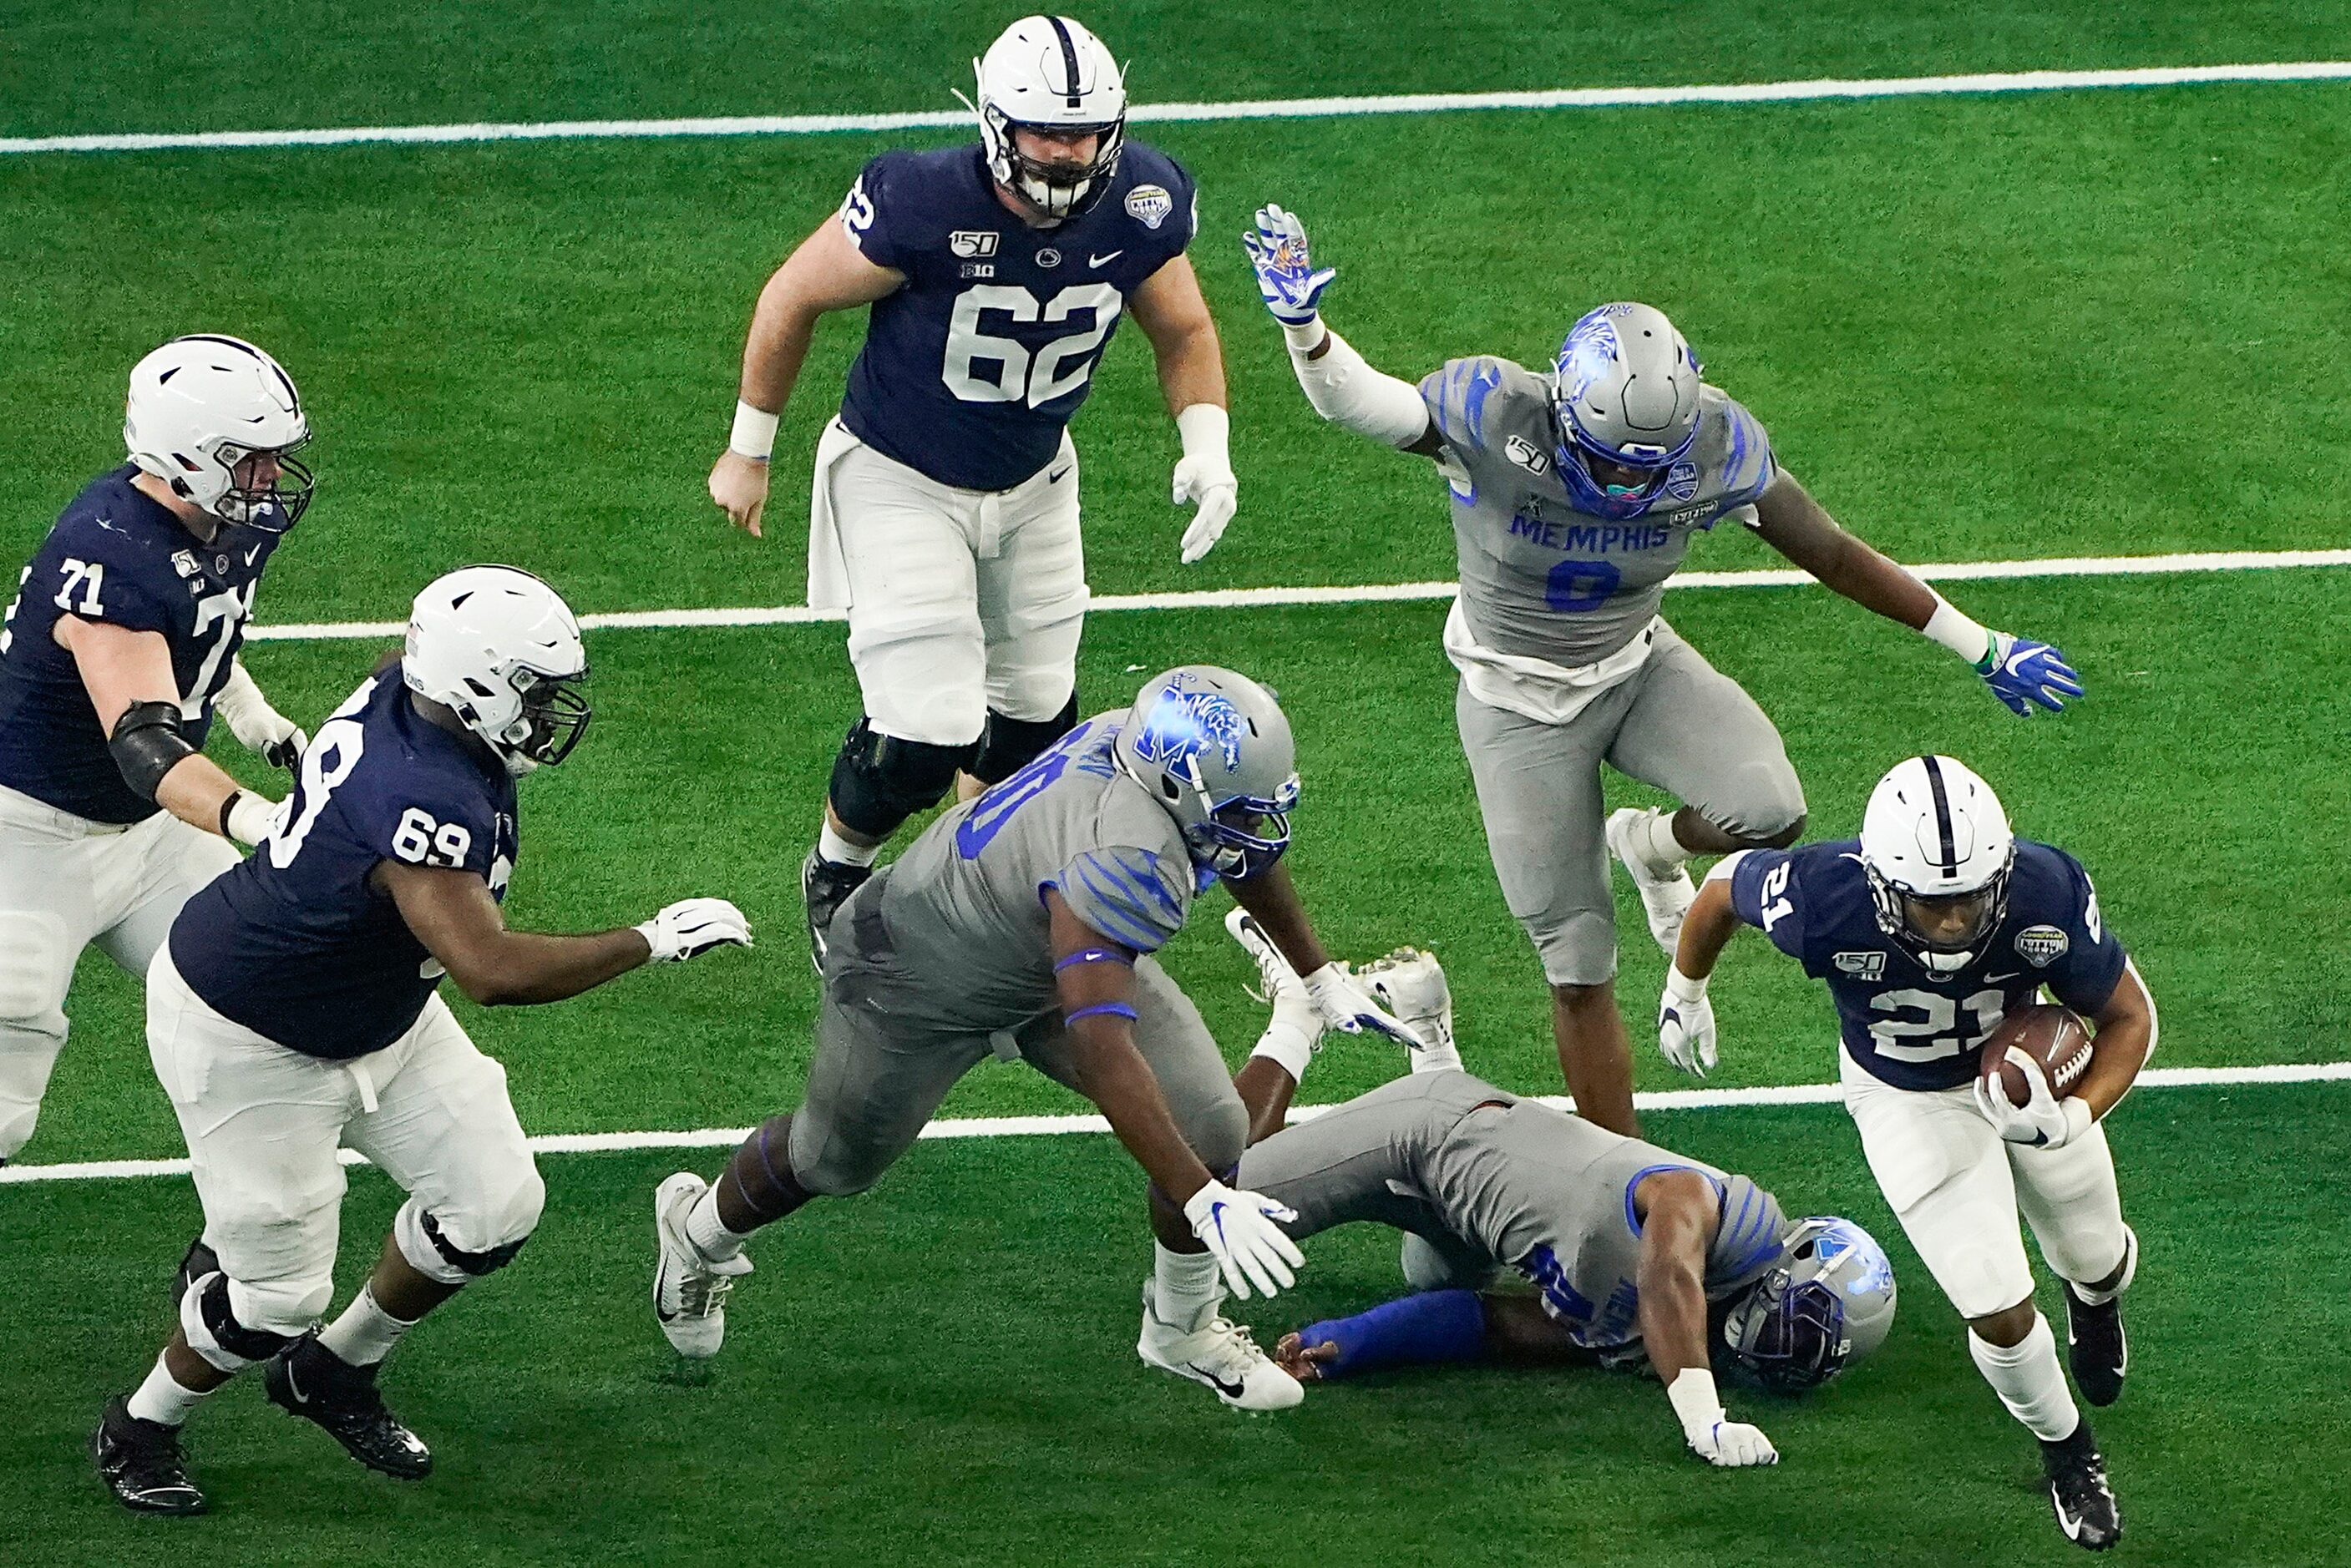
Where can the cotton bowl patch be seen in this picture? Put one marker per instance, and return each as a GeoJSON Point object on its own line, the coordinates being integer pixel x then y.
{"type": "Point", "coordinates": [1149, 205]}
{"type": "Point", "coordinates": [2041, 945]}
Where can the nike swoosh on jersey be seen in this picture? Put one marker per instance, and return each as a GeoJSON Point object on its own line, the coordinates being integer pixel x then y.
{"type": "Point", "coordinates": [249, 555]}
{"type": "Point", "coordinates": [1093, 260]}
{"type": "Point", "coordinates": [2012, 974]}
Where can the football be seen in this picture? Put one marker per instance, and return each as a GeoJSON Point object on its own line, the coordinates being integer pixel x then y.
{"type": "Point", "coordinates": [2052, 1036]}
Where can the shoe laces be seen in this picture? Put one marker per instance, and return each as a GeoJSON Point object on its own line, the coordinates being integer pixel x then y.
{"type": "Point", "coordinates": [1234, 1348]}
{"type": "Point", "coordinates": [701, 1290]}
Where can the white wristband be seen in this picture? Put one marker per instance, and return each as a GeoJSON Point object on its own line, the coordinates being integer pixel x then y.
{"type": "Point", "coordinates": [1681, 987]}
{"type": "Point", "coordinates": [755, 433]}
{"type": "Point", "coordinates": [249, 817]}
{"type": "Point", "coordinates": [1957, 632]}
{"type": "Point", "coordinates": [1206, 432]}
{"type": "Point", "coordinates": [1303, 336]}
{"type": "Point", "coordinates": [1695, 1402]}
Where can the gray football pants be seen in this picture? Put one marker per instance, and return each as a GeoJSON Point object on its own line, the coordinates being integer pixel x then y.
{"type": "Point", "coordinates": [1677, 723]}
{"type": "Point", "coordinates": [877, 1078]}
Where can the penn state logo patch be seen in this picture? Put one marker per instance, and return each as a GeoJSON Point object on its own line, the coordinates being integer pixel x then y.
{"type": "Point", "coordinates": [2042, 946]}
{"type": "Point", "coordinates": [1861, 966]}
{"type": "Point", "coordinates": [1149, 205]}
{"type": "Point", "coordinates": [972, 244]}
{"type": "Point", "coordinates": [1527, 455]}
{"type": "Point", "coordinates": [1681, 480]}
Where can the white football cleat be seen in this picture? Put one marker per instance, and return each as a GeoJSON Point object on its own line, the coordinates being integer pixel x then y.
{"type": "Point", "coordinates": [1666, 897]}
{"type": "Point", "coordinates": [1278, 983]}
{"type": "Point", "coordinates": [689, 1290]}
{"type": "Point", "coordinates": [1221, 1353]}
{"type": "Point", "coordinates": [1411, 984]}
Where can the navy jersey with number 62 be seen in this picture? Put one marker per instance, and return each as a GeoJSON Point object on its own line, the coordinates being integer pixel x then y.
{"type": "Point", "coordinates": [972, 368]}
{"type": "Point", "coordinates": [1903, 1022]}
{"type": "Point", "coordinates": [297, 943]}
{"type": "Point", "coordinates": [116, 557]}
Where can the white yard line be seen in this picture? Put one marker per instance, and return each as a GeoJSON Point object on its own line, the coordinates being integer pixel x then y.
{"type": "Point", "coordinates": [1381, 593]}
{"type": "Point", "coordinates": [1255, 108]}
{"type": "Point", "coordinates": [1036, 1126]}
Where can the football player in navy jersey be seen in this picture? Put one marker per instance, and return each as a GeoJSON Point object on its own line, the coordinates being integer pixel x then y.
{"type": "Point", "coordinates": [120, 643]}
{"type": "Point", "coordinates": [945, 512]}
{"type": "Point", "coordinates": [295, 1008]}
{"type": "Point", "coordinates": [1928, 929]}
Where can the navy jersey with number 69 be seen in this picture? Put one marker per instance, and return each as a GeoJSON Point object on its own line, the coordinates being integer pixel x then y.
{"type": "Point", "coordinates": [116, 557]}
{"type": "Point", "coordinates": [1903, 1022]}
{"type": "Point", "coordinates": [972, 368]}
{"type": "Point", "coordinates": [297, 943]}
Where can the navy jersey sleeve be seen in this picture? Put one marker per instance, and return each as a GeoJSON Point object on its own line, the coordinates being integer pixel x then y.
{"type": "Point", "coordinates": [878, 212]}
{"type": "Point", "coordinates": [2084, 973]}
{"type": "Point", "coordinates": [1134, 897]}
{"type": "Point", "coordinates": [426, 817]}
{"type": "Point", "coordinates": [1765, 893]}
{"type": "Point", "coordinates": [1747, 466]}
{"type": "Point", "coordinates": [1456, 394]}
{"type": "Point", "coordinates": [100, 572]}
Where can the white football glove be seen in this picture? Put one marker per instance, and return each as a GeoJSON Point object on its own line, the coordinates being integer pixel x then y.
{"type": "Point", "coordinates": [1686, 1024]}
{"type": "Point", "coordinates": [1707, 1428]}
{"type": "Point", "coordinates": [257, 726]}
{"type": "Point", "coordinates": [1204, 476]}
{"type": "Point", "coordinates": [1346, 1006]}
{"type": "Point", "coordinates": [2044, 1121]}
{"type": "Point", "coordinates": [692, 927]}
{"type": "Point", "coordinates": [1241, 1233]}
{"type": "Point", "coordinates": [1285, 276]}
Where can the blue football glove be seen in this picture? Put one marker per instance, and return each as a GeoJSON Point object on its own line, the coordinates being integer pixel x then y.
{"type": "Point", "coordinates": [2022, 673]}
{"type": "Point", "coordinates": [1286, 278]}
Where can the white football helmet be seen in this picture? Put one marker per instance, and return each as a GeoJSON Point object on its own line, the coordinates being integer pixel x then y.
{"type": "Point", "coordinates": [502, 650]}
{"type": "Point", "coordinates": [1935, 842]}
{"type": "Point", "coordinates": [201, 405]}
{"type": "Point", "coordinates": [1051, 74]}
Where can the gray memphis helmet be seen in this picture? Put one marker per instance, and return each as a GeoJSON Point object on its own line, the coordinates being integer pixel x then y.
{"type": "Point", "coordinates": [1214, 749]}
{"type": "Point", "coordinates": [1827, 1304]}
{"type": "Point", "coordinates": [1625, 388]}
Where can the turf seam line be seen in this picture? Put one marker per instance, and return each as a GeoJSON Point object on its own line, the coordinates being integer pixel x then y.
{"type": "Point", "coordinates": [1387, 593]}
{"type": "Point", "coordinates": [1054, 1126]}
{"type": "Point", "coordinates": [1251, 108]}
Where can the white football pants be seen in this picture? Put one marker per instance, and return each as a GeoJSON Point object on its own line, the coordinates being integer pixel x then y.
{"type": "Point", "coordinates": [66, 882]}
{"type": "Point", "coordinates": [959, 601]}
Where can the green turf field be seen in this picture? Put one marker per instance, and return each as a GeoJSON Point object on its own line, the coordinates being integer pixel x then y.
{"type": "Point", "coordinates": [1980, 328]}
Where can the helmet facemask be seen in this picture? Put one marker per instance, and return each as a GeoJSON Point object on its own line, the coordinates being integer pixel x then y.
{"type": "Point", "coordinates": [554, 717]}
{"type": "Point", "coordinates": [1943, 948]}
{"type": "Point", "coordinates": [1247, 833]}
{"type": "Point", "coordinates": [1055, 189]}
{"type": "Point", "coordinates": [272, 508]}
{"type": "Point", "coordinates": [1787, 1336]}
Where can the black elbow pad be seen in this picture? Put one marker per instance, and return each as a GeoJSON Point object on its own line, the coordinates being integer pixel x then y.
{"type": "Point", "coordinates": [147, 744]}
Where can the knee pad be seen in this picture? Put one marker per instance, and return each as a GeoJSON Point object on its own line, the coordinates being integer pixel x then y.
{"type": "Point", "coordinates": [1011, 744]}
{"type": "Point", "coordinates": [879, 781]}
{"type": "Point", "coordinates": [214, 1333]}
{"type": "Point", "coordinates": [428, 1250]}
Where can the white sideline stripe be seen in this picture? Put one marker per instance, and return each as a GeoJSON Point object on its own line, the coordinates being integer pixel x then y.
{"type": "Point", "coordinates": [1254, 108]}
{"type": "Point", "coordinates": [1381, 593]}
{"type": "Point", "coordinates": [1037, 1126]}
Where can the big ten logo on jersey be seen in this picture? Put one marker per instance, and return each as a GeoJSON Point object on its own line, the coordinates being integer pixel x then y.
{"type": "Point", "coordinates": [987, 368]}
{"type": "Point", "coordinates": [973, 248]}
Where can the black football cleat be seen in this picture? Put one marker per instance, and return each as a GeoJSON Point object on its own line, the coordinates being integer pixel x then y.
{"type": "Point", "coordinates": [2097, 1347]}
{"type": "Point", "coordinates": [139, 1462]}
{"type": "Point", "coordinates": [825, 885]}
{"type": "Point", "coordinates": [312, 1382]}
{"type": "Point", "coordinates": [198, 1261]}
{"type": "Point", "coordinates": [2084, 1504]}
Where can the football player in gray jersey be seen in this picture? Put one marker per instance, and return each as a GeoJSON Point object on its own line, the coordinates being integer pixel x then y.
{"type": "Point", "coordinates": [1021, 924]}
{"type": "Point", "coordinates": [1576, 490]}
{"type": "Point", "coordinates": [1637, 1255]}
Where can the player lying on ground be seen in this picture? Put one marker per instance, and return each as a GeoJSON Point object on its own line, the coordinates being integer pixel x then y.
{"type": "Point", "coordinates": [943, 514]}
{"type": "Point", "coordinates": [1929, 930]}
{"type": "Point", "coordinates": [296, 1007]}
{"type": "Point", "coordinates": [122, 642]}
{"type": "Point", "coordinates": [1576, 491]}
{"type": "Point", "coordinates": [1023, 923]}
{"type": "Point", "coordinates": [1634, 1250]}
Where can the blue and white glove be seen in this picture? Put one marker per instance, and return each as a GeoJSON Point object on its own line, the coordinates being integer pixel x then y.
{"type": "Point", "coordinates": [1241, 1232]}
{"type": "Point", "coordinates": [1285, 276]}
{"type": "Point", "coordinates": [1348, 1007]}
{"type": "Point", "coordinates": [2022, 673]}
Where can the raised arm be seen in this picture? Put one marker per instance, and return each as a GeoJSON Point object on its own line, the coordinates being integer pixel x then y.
{"type": "Point", "coordinates": [825, 273]}
{"type": "Point", "coordinates": [128, 675]}
{"type": "Point", "coordinates": [1342, 388]}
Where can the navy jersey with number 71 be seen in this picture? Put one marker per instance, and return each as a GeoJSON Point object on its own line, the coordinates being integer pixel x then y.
{"type": "Point", "coordinates": [972, 368]}
{"type": "Point", "coordinates": [298, 943]}
{"type": "Point", "coordinates": [1901, 1021]}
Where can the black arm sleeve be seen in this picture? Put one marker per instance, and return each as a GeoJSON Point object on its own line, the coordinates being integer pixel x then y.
{"type": "Point", "coordinates": [146, 744]}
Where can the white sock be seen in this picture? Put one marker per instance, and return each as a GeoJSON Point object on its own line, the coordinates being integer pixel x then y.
{"type": "Point", "coordinates": [832, 847]}
{"type": "Point", "coordinates": [164, 1398]}
{"type": "Point", "coordinates": [2029, 1381]}
{"type": "Point", "coordinates": [1184, 1286]}
{"type": "Point", "coordinates": [708, 1233]}
{"type": "Point", "coordinates": [365, 1332]}
{"type": "Point", "coordinates": [1287, 1045]}
{"type": "Point", "coordinates": [1652, 836]}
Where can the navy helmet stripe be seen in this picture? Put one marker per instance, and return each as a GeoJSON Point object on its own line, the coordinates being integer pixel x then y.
{"type": "Point", "coordinates": [1068, 56]}
{"type": "Point", "coordinates": [1942, 814]}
